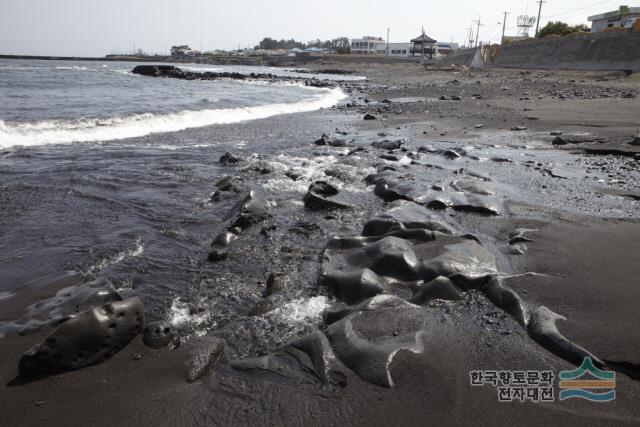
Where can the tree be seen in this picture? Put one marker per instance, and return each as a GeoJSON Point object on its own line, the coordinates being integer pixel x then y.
{"type": "Point", "coordinates": [342, 45]}
{"type": "Point", "coordinates": [560, 29]}
{"type": "Point", "coordinates": [271, 44]}
{"type": "Point", "coordinates": [180, 50]}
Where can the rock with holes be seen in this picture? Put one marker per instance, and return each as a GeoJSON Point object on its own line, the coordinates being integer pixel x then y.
{"type": "Point", "coordinates": [159, 334]}
{"type": "Point", "coordinates": [87, 339]}
{"type": "Point", "coordinates": [65, 304]}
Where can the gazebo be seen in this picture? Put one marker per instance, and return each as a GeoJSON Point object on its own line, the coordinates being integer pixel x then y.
{"type": "Point", "coordinates": [423, 45]}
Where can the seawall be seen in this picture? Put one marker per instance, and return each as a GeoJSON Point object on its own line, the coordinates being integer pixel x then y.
{"type": "Point", "coordinates": [614, 50]}
{"type": "Point", "coordinates": [606, 51]}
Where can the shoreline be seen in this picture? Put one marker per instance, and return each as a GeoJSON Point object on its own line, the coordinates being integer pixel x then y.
{"type": "Point", "coordinates": [581, 244]}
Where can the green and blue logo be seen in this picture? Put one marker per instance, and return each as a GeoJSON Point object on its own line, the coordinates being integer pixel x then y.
{"type": "Point", "coordinates": [588, 382]}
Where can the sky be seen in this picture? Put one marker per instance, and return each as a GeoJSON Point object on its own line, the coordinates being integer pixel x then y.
{"type": "Point", "coordinates": [100, 27]}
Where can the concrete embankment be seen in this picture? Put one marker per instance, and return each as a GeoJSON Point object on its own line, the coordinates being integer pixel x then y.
{"type": "Point", "coordinates": [615, 50]}
{"type": "Point", "coordinates": [461, 57]}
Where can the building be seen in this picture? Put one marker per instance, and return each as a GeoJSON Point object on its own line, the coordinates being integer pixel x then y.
{"type": "Point", "coordinates": [621, 18]}
{"type": "Point", "coordinates": [440, 49]}
{"type": "Point", "coordinates": [367, 45]}
{"type": "Point", "coordinates": [423, 45]}
{"type": "Point", "coordinates": [395, 49]}
{"type": "Point", "coordinates": [444, 49]}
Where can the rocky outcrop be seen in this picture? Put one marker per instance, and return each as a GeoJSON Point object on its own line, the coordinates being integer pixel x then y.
{"type": "Point", "coordinates": [322, 195]}
{"type": "Point", "coordinates": [86, 339]}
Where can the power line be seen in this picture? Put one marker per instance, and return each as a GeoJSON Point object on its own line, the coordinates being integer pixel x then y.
{"type": "Point", "coordinates": [579, 9]}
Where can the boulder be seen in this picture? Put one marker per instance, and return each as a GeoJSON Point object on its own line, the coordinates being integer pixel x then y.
{"type": "Point", "coordinates": [558, 140]}
{"type": "Point", "coordinates": [87, 339]}
{"type": "Point", "coordinates": [228, 159]}
{"type": "Point", "coordinates": [388, 145]}
{"type": "Point", "coordinates": [65, 304]}
{"type": "Point", "coordinates": [322, 195]}
{"type": "Point", "coordinates": [369, 116]}
{"type": "Point", "coordinates": [157, 71]}
{"type": "Point", "coordinates": [249, 211]}
{"type": "Point", "coordinates": [404, 215]}
{"type": "Point", "coordinates": [636, 139]}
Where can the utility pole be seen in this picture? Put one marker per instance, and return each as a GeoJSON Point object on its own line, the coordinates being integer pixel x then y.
{"type": "Point", "coordinates": [423, 41]}
{"type": "Point", "coordinates": [504, 27]}
{"type": "Point", "coordinates": [539, 15]}
{"type": "Point", "coordinates": [388, 29]}
{"type": "Point", "coordinates": [478, 30]}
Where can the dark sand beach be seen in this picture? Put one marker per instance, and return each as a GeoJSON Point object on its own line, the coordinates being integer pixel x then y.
{"type": "Point", "coordinates": [492, 223]}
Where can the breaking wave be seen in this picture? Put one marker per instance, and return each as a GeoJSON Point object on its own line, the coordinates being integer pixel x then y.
{"type": "Point", "coordinates": [115, 128]}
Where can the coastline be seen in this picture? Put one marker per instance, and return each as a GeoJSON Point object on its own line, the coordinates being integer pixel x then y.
{"type": "Point", "coordinates": [583, 245]}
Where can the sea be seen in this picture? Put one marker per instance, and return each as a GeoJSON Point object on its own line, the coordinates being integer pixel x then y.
{"type": "Point", "coordinates": [111, 174]}
{"type": "Point", "coordinates": [60, 102]}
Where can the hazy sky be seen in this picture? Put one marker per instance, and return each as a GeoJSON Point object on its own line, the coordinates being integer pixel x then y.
{"type": "Point", "coordinates": [99, 27]}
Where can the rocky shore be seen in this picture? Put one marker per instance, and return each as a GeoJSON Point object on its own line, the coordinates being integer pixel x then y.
{"type": "Point", "coordinates": [441, 221]}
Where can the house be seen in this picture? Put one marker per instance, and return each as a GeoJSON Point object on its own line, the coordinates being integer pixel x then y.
{"type": "Point", "coordinates": [423, 45]}
{"type": "Point", "coordinates": [444, 49]}
{"type": "Point", "coordinates": [367, 45]}
{"type": "Point", "coordinates": [624, 17]}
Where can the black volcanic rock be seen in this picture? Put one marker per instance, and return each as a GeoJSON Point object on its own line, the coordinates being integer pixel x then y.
{"type": "Point", "coordinates": [229, 159]}
{"type": "Point", "coordinates": [369, 116]}
{"type": "Point", "coordinates": [404, 215]}
{"type": "Point", "coordinates": [88, 339]}
{"type": "Point", "coordinates": [558, 140]}
{"type": "Point", "coordinates": [249, 211]}
{"type": "Point", "coordinates": [322, 195]}
{"type": "Point", "coordinates": [158, 71]}
{"type": "Point", "coordinates": [387, 145]}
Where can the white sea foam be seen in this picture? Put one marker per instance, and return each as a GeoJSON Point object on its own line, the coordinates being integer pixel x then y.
{"type": "Point", "coordinates": [72, 68]}
{"type": "Point", "coordinates": [84, 130]}
{"type": "Point", "coordinates": [303, 310]}
{"type": "Point", "coordinates": [136, 251]}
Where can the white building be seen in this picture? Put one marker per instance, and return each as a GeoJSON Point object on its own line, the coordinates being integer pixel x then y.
{"type": "Point", "coordinates": [395, 49]}
{"type": "Point", "coordinates": [623, 17]}
{"type": "Point", "coordinates": [367, 45]}
{"type": "Point", "coordinates": [404, 49]}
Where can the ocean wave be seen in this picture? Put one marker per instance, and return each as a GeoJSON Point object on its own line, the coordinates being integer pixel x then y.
{"type": "Point", "coordinates": [116, 128]}
{"type": "Point", "coordinates": [72, 68]}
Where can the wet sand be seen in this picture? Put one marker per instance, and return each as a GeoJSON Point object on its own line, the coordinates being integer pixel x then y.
{"type": "Point", "coordinates": [583, 248]}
